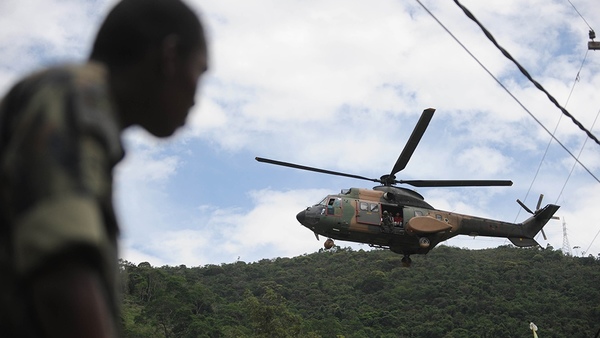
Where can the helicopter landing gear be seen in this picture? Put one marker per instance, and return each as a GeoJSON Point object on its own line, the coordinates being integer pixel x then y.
{"type": "Point", "coordinates": [406, 261]}
{"type": "Point", "coordinates": [424, 242]}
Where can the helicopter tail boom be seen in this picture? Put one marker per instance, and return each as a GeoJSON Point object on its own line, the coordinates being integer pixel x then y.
{"type": "Point", "coordinates": [533, 225]}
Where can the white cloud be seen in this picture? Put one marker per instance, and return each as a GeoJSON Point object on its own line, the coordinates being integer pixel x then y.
{"type": "Point", "coordinates": [483, 161]}
{"type": "Point", "coordinates": [216, 235]}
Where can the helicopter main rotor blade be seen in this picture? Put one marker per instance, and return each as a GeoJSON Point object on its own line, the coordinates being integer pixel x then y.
{"type": "Point", "coordinates": [323, 171]}
{"type": "Point", "coordinates": [413, 140]}
{"type": "Point", "coordinates": [456, 183]}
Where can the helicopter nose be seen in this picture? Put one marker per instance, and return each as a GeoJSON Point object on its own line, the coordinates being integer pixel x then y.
{"type": "Point", "coordinates": [301, 216]}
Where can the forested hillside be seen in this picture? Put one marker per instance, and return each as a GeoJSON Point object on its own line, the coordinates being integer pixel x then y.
{"type": "Point", "coordinates": [450, 292]}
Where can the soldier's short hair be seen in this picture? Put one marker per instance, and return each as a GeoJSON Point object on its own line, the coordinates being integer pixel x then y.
{"type": "Point", "coordinates": [134, 27]}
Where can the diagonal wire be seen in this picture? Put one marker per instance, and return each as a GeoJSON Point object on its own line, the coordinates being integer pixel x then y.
{"type": "Point", "coordinates": [574, 164]}
{"type": "Point", "coordinates": [593, 240]}
{"type": "Point", "coordinates": [553, 133]}
{"type": "Point", "coordinates": [508, 91]}
{"type": "Point", "coordinates": [525, 72]}
{"type": "Point", "coordinates": [584, 20]}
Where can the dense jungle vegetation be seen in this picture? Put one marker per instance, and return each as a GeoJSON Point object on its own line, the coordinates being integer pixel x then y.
{"type": "Point", "coordinates": [450, 292]}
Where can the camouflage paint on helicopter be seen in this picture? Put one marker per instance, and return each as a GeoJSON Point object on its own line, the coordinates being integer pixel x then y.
{"type": "Point", "coordinates": [356, 214]}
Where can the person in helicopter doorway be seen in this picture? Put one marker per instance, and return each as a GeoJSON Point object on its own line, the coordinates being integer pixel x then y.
{"type": "Point", "coordinates": [398, 220]}
{"type": "Point", "coordinates": [387, 222]}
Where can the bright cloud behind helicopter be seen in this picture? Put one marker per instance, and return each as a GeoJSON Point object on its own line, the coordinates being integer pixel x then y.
{"type": "Point", "coordinates": [340, 85]}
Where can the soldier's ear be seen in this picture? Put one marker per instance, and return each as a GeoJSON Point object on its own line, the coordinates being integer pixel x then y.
{"type": "Point", "coordinates": [169, 55]}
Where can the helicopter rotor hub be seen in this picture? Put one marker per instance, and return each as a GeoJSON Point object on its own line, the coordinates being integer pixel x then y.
{"type": "Point", "coordinates": [388, 180]}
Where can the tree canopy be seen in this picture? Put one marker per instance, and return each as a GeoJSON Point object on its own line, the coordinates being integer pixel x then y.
{"type": "Point", "coordinates": [449, 293]}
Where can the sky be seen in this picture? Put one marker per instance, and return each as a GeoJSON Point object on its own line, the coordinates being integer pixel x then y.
{"type": "Point", "coordinates": [340, 85]}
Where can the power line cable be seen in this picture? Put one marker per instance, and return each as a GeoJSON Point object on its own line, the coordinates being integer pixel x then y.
{"type": "Point", "coordinates": [554, 133]}
{"type": "Point", "coordinates": [597, 114]}
{"type": "Point", "coordinates": [577, 77]}
{"type": "Point", "coordinates": [584, 20]}
{"type": "Point", "coordinates": [588, 248]}
{"type": "Point", "coordinates": [525, 72]}
{"type": "Point", "coordinates": [578, 155]}
{"type": "Point", "coordinates": [571, 172]}
{"type": "Point", "coordinates": [509, 93]}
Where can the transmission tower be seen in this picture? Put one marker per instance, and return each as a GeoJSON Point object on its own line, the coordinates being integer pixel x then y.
{"type": "Point", "coordinates": [566, 247]}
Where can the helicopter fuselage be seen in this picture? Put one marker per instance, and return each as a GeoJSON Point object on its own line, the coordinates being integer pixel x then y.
{"type": "Point", "coordinates": [359, 215]}
{"type": "Point", "coordinates": [364, 215]}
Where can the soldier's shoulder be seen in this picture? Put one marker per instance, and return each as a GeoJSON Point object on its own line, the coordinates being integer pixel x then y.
{"type": "Point", "coordinates": [60, 77]}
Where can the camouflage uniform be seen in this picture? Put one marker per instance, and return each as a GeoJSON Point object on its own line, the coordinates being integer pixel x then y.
{"type": "Point", "coordinates": [59, 141]}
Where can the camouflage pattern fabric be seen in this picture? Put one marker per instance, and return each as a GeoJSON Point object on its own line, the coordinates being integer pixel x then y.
{"type": "Point", "coordinates": [59, 141]}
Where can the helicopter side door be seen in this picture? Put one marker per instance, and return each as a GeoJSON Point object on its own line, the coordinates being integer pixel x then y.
{"type": "Point", "coordinates": [368, 212]}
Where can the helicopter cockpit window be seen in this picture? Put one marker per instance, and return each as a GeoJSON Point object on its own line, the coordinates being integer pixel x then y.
{"type": "Point", "coordinates": [333, 206]}
{"type": "Point", "coordinates": [323, 201]}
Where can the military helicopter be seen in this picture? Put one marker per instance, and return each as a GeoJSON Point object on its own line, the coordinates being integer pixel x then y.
{"type": "Point", "coordinates": [399, 219]}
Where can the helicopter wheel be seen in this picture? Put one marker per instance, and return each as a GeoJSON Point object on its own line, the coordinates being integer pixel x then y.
{"type": "Point", "coordinates": [424, 242]}
{"type": "Point", "coordinates": [406, 261]}
{"type": "Point", "coordinates": [328, 244]}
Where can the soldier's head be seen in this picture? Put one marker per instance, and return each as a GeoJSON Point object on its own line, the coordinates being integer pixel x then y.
{"type": "Point", "coordinates": [155, 51]}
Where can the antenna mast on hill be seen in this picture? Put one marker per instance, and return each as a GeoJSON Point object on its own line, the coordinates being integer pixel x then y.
{"type": "Point", "coordinates": [566, 248]}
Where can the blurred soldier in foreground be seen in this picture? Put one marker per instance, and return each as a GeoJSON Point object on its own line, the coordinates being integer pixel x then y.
{"type": "Point", "coordinates": [59, 140]}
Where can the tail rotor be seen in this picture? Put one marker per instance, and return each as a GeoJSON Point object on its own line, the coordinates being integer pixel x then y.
{"type": "Point", "coordinates": [537, 209]}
